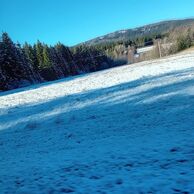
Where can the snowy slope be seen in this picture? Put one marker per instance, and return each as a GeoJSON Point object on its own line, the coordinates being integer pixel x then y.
{"type": "Point", "coordinates": [124, 130]}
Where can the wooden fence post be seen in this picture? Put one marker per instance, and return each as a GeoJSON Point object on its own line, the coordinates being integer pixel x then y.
{"type": "Point", "coordinates": [159, 48]}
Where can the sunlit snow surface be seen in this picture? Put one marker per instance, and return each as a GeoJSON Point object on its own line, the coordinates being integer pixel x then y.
{"type": "Point", "coordinates": [124, 130]}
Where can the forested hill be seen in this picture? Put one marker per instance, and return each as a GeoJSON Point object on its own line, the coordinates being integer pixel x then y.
{"type": "Point", "coordinates": [22, 65]}
{"type": "Point", "coordinates": [151, 30]}
{"type": "Point", "coordinates": [122, 46]}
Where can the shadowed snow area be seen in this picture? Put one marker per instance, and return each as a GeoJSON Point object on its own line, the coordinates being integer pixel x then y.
{"type": "Point", "coordinates": [124, 130]}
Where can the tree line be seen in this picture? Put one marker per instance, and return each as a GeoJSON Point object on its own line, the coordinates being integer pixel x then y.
{"type": "Point", "coordinates": [22, 65]}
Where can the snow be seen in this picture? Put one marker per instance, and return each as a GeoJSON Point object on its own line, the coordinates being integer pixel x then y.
{"type": "Point", "coordinates": [122, 31]}
{"type": "Point", "coordinates": [145, 49]}
{"type": "Point", "coordinates": [128, 129]}
{"type": "Point", "coordinates": [101, 38]}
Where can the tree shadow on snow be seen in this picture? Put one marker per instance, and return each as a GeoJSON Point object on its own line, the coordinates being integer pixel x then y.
{"type": "Point", "coordinates": [127, 98]}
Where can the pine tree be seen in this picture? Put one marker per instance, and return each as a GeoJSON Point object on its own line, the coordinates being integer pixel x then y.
{"type": "Point", "coordinates": [15, 68]}
{"type": "Point", "coordinates": [39, 55]}
{"type": "Point", "coordinates": [66, 60]}
{"type": "Point", "coordinates": [56, 63]}
{"type": "Point", "coordinates": [3, 76]}
{"type": "Point", "coordinates": [11, 63]}
{"type": "Point", "coordinates": [47, 63]}
{"type": "Point", "coordinates": [30, 55]}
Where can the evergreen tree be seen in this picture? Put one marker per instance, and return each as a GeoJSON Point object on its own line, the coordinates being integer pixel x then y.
{"type": "Point", "coordinates": [30, 55]}
{"type": "Point", "coordinates": [66, 59]}
{"type": "Point", "coordinates": [56, 63]}
{"type": "Point", "coordinates": [3, 75]}
{"type": "Point", "coordinates": [47, 63]}
{"type": "Point", "coordinates": [39, 54]}
{"type": "Point", "coordinates": [12, 63]}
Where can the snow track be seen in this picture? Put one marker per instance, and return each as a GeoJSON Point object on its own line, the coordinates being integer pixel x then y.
{"type": "Point", "coordinates": [124, 130]}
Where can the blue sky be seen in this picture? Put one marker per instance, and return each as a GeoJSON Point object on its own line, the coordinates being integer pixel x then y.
{"type": "Point", "coordinates": [74, 21]}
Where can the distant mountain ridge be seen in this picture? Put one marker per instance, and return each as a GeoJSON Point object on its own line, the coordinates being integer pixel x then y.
{"type": "Point", "coordinates": [147, 30]}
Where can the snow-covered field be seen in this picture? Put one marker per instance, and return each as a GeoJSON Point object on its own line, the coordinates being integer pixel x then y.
{"type": "Point", "coordinates": [124, 130]}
